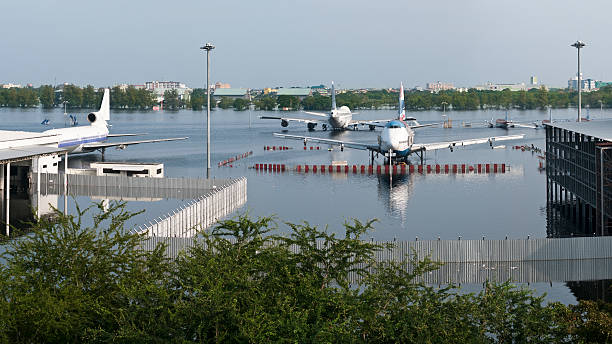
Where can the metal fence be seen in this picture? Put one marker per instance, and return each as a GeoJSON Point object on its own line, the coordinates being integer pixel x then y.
{"type": "Point", "coordinates": [197, 214]}
{"type": "Point", "coordinates": [476, 251]}
{"type": "Point", "coordinates": [127, 187]}
{"type": "Point", "coordinates": [474, 261]}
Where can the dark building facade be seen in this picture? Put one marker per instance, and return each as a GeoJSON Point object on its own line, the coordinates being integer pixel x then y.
{"type": "Point", "coordinates": [579, 178]}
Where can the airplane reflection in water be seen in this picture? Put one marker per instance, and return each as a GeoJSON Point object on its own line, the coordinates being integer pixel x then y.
{"type": "Point", "coordinates": [396, 193]}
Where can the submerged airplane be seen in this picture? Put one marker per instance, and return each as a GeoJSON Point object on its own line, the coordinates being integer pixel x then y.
{"type": "Point", "coordinates": [338, 118]}
{"type": "Point", "coordinates": [506, 123]}
{"type": "Point", "coordinates": [82, 139]}
{"type": "Point", "coordinates": [397, 140]}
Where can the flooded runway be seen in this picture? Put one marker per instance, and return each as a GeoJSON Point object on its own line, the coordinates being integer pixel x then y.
{"type": "Point", "coordinates": [426, 206]}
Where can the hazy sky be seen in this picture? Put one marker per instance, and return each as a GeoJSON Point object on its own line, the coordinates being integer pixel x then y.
{"type": "Point", "coordinates": [291, 43]}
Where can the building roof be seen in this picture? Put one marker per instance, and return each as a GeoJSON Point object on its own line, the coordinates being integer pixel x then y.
{"type": "Point", "coordinates": [230, 92]}
{"type": "Point", "coordinates": [598, 129]}
{"type": "Point", "coordinates": [26, 153]}
{"type": "Point", "coordinates": [300, 92]}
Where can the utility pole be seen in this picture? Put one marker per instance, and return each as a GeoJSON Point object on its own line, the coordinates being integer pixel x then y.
{"type": "Point", "coordinates": [579, 45]}
{"type": "Point", "coordinates": [208, 47]}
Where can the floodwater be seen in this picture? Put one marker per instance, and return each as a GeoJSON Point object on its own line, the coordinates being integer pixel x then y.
{"type": "Point", "coordinates": [426, 206]}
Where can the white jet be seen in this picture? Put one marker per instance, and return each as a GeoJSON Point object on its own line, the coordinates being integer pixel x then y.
{"type": "Point", "coordinates": [338, 118]}
{"type": "Point", "coordinates": [81, 139]}
{"type": "Point", "coordinates": [397, 140]}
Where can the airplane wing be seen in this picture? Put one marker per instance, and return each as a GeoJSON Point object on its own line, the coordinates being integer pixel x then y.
{"type": "Point", "coordinates": [354, 145]}
{"type": "Point", "coordinates": [287, 119]}
{"type": "Point", "coordinates": [316, 114]}
{"type": "Point", "coordinates": [375, 123]}
{"type": "Point", "coordinates": [122, 145]}
{"type": "Point", "coordinates": [526, 125]}
{"type": "Point", "coordinates": [452, 144]}
{"type": "Point", "coordinates": [122, 135]}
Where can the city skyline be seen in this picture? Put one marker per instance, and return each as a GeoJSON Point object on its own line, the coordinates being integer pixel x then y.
{"type": "Point", "coordinates": [356, 44]}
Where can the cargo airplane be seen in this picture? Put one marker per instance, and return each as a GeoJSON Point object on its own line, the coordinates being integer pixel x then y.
{"type": "Point", "coordinates": [337, 119]}
{"type": "Point", "coordinates": [396, 140]}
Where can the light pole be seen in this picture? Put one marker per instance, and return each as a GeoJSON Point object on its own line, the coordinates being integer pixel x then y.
{"type": "Point", "coordinates": [601, 108]}
{"type": "Point", "coordinates": [208, 47]}
{"type": "Point", "coordinates": [579, 45]}
{"type": "Point", "coordinates": [65, 114]}
{"type": "Point", "coordinates": [444, 112]}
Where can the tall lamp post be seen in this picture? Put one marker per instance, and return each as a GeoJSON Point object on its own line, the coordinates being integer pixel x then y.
{"type": "Point", "coordinates": [444, 113]}
{"type": "Point", "coordinates": [579, 45]}
{"type": "Point", "coordinates": [208, 47]}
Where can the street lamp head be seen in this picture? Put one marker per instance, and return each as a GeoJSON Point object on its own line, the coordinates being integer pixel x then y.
{"type": "Point", "coordinates": [208, 47]}
{"type": "Point", "coordinates": [578, 44]}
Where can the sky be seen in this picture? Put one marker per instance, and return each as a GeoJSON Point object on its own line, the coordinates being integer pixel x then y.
{"type": "Point", "coordinates": [302, 43]}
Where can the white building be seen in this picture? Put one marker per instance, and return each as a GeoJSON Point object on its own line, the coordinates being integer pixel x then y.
{"type": "Point", "coordinates": [160, 87]}
{"type": "Point", "coordinates": [587, 84]}
{"type": "Point", "coordinates": [439, 86]}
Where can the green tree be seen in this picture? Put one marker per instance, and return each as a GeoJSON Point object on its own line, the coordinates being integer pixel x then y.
{"type": "Point", "coordinates": [171, 100]}
{"type": "Point", "coordinates": [240, 104]}
{"type": "Point", "coordinates": [67, 282]}
{"type": "Point", "coordinates": [47, 96]}
{"type": "Point", "coordinates": [226, 103]}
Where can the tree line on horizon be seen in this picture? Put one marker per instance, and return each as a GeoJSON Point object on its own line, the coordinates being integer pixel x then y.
{"type": "Point", "coordinates": [131, 98]}
{"type": "Point", "coordinates": [67, 282]}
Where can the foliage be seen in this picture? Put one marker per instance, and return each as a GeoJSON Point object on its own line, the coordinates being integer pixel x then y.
{"type": "Point", "coordinates": [198, 99]}
{"type": "Point", "coordinates": [289, 102]}
{"type": "Point", "coordinates": [242, 283]}
{"type": "Point", "coordinates": [46, 95]}
{"type": "Point", "coordinates": [226, 103]}
{"type": "Point", "coordinates": [171, 100]}
{"type": "Point", "coordinates": [267, 103]}
{"type": "Point", "coordinates": [240, 104]}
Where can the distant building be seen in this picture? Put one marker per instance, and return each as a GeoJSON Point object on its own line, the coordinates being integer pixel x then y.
{"type": "Point", "coordinates": [320, 89]}
{"type": "Point", "coordinates": [160, 87]}
{"type": "Point", "coordinates": [269, 90]}
{"type": "Point", "coordinates": [232, 93]}
{"type": "Point", "coordinates": [295, 92]}
{"type": "Point", "coordinates": [500, 87]}
{"type": "Point", "coordinates": [219, 84]}
{"type": "Point", "coordinates": [587, 85]}
{"type": "Point", "coordinates": [11, 85]}
{"type": "Point", "coordinates": [439, 86]}
{"type": "Point", "coordinates": [600, 84]}
{"type": "Point", "coordinates": [533, 80]}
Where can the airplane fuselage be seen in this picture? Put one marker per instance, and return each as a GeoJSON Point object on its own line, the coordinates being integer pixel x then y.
{"type": "Point", "coordinates": [396, 137]}
{"type": "Point", "coordinates": [72, 139]}
{"type": "Point", "coordinates": [340, 118]}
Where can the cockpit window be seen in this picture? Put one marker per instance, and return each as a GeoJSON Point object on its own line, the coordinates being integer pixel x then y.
{"type": "Point", "coordinates": [394, 126]}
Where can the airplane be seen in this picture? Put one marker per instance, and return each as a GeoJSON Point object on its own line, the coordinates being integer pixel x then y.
{"type": "Point", "coordinates": [506, 123]}
{"type": "Point", "coordinates": [338, 118]}
{"type": "Point", "coordinates": [396, 141]}
{"type": "Point", "coordinates": [85, 139]}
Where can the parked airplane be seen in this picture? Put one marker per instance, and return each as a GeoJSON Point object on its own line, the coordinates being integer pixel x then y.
{"type": "Point", "coordinates": [83, 139]}
{"type": "Point", "coordinates": [338, 118]}
{"type": "Point", "coordinates": [506, 123]}
{"type": "Point", "coordinates": [397, 141]}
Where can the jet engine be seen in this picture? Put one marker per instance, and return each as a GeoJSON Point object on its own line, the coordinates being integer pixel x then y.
{"type": "Point", "coordinates": [92, 117]}
{"type": "Point", "coordinates": [311, 126]}
{"type": "Point", "coordinates": [284, 123]}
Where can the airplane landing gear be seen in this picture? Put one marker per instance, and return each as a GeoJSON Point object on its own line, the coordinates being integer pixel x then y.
{"type": "Point", "coordinates": [324, 126]}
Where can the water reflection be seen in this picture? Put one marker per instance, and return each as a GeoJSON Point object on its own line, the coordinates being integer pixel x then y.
{"type": "Point", "coordinates": [395, 194]}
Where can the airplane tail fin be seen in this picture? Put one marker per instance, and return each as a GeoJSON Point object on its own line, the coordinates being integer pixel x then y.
{"type": "Point", "coordinates": [101, 116]}
{"type": "Point", "coordinates": [402, 110]}
{"type": "Point", "coordinates": [333, 92]}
